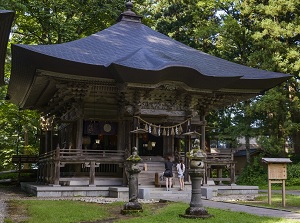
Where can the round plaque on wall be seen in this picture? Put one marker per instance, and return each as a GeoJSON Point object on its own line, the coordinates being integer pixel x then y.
{"type": "Point", "coordinates": [107, 127]}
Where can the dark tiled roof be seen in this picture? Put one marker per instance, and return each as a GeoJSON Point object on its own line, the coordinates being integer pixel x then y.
{"type": "Point", "coordinates": [243, 152]}
{"type": "Point", "coordinates": [6, 19]}
{"type": "Point", "coordinates": [132, 52]}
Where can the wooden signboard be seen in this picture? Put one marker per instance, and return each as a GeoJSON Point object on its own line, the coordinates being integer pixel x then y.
{"type": "Point", "coordinates": [277, 173]}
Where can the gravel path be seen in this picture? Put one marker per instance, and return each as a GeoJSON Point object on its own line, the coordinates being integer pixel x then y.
{"type": "Point", "coordinates": [2, 210]}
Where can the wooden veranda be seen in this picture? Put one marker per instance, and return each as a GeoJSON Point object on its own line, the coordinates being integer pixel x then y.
{"type": "Point", "coordinates": [88, 163]}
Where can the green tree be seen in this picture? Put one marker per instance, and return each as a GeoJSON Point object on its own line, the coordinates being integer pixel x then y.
{"type": "Point", "coordinates": [14, 123]}
{"type": "Point", "coordinates": [265, 35]}
{"type": "Point", "coordinates": [58, 21]}
{"type": "Point", "coordinates": [275, 27]}
{"type": "Point", "coordinates": [193, 23]}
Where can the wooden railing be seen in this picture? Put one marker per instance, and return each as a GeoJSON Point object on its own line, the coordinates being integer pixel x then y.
{"type": "Point", "coordinates": [93, 161]}
{"type": "Point", "coordinates": [66, 155]}
{"type": "Point", "coordinates": [24, 159]}
{"type": "Point", "coordinates": [218, 162]}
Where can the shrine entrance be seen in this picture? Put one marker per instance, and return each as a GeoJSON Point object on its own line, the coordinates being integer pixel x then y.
{"type": "Point", "coordinates": [150, 145]}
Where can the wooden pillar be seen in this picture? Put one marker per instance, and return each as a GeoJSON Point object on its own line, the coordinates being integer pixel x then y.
{"type": "Point", "coordinates": [92, 174]}
{"type": "Point", "coordinates": [232, 173]}
{"type": "Point", "coordinates": [45, 172]}
{"type": "Point", "coordinates": [202, 119]}
{"type": "Point", "coordinates": [127, 147]}
{"type": "Point", "coordinates": [121, 135]}
{"type": "Point", "coordinates": [79, 132]}
{"type": "Point", "coordinates": [187, 161]}
{"type": "Point", "coordinates": [57, 166]}
{"type": "Point", "coordinates": [50, 173]}
{"type": "Point", "coordinates": [220, 174]}
{"type": "Point", "coordinates": [47, 141]}
{"type": "Point", "coordinates": [41, 171]}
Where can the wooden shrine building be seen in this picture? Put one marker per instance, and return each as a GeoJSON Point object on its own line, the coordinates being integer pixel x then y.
{"type": "Point", "coordinates": [124, 86]}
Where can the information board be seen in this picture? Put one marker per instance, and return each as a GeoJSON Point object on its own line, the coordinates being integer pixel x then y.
{"type": "Point", "coordinates": [277, 171]}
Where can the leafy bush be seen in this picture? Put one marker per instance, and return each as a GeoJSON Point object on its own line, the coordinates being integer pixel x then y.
{"type": "Point", "coordinates": [293, 174]}
{"type": "Point", "coordinates": [254, 174]}
{"type": "Point", "coordinates": [257, 174]}
{"type": "Point", "coordinates": [9, 176]}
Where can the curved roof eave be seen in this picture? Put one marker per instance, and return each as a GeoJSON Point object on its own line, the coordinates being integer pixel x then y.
{"type": "Point", "coordinates": [6, 20]}
{"type": "Point", "coordinates": [132, 52]}
{"type": "Point", "coordinates": [124, 43]}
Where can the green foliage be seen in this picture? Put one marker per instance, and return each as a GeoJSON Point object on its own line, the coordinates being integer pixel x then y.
{"type": "Point", "coordinates": [58, 21]}
{"type": "Point", "coordinates": [254, 174]}
{"type": "Point", "coordinates": [193, 23]}
{"type": "Point", "coordinates": [16, 126]}
{"type": "Point", "coordinates": [12, 176]}
{"type": "Point", "coordinates": [257, 174]}
{"type": "Point", "coordinates": [293, 175]}
{"type": "Point", "coordinates": [263, 35]}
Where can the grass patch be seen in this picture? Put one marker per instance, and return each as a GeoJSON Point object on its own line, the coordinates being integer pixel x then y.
{"type": "Point", "coordinates": [279, 187]}
{"type": "Point", "coordinates": [292, 202]}
{"type": "Point", "coordinates": [67, 211]}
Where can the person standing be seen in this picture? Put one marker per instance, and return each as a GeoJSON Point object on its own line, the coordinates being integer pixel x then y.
{"type": "Point", "coordinates": [180, 171]}
{"type": "Point", "coordinates": [168, 174]}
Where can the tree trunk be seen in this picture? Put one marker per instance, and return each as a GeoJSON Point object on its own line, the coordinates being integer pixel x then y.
{"type": "Point", "coordinates": [296, 140]}
{"type": "Point", "coordinates": [247, 141]}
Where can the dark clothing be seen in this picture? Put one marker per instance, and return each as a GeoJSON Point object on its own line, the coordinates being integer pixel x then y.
{"type": "Point", "coordinates": [168, 169]}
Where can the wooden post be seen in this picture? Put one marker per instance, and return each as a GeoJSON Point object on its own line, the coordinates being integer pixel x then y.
{"type": "Point", "coordinates": [57, 166]}
{"type": "Point", "coordinates": [79, 131]}
{"type": "Point", "coordinates": [220, 174]}
{"type": "Point", "coordinates": [202, 119]}
{"type": "Point", "coordinates": [232, 173]}
{"type": "Point", "coordinates": [283, 193]}
{"type": "Point", "coordinates": [92, 174]}
{"type": "Point", "coordinates": [269, 192]}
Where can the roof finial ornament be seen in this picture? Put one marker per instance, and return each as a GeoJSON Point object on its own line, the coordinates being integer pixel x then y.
{"type": "Point", "coordinates": [129, 6]}
{"type": "Point", "coordinates": [129, 15]}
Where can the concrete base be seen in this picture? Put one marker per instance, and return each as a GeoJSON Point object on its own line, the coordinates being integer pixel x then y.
{"type": "Point", "coordinates": [208, 192]}
{"type": "Point", "coordinates": [144, 193]}
{"type": "Point", "coordinates": [235, 189]}
{"type": "Point", "coordinates": [84, 181]}
{"type": "Point", "coordinates": [149, 192]}
{"type": "Point", "coordinates": [119, 192]}
{"type": "Point", "coordinates": [66, 191]}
